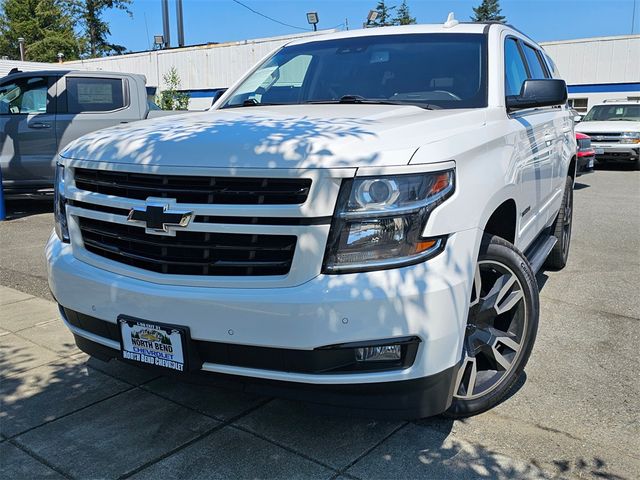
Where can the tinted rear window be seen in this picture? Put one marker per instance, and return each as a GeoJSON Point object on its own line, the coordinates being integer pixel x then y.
{"type": "Point", "coordinates": [94, 94]}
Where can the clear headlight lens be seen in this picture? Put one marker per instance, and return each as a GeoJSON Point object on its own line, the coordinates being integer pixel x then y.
{"type": "Point", "coordinates": [59, 206]}
{"type": "Point", "coordinates": [630, 137]}
{"type": "Point", "coordinates": [379, 221]}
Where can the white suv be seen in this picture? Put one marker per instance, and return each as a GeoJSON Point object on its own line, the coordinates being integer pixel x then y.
{"type": "Point", "coordinates": [614, 128]}
{"type": "Point", "coordinates": [357, 222]}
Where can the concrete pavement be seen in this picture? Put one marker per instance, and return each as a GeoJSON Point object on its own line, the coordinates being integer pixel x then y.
{"type": "Point", "coordinates": [575, 413]}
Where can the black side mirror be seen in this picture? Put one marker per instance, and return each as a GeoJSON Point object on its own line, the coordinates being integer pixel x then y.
{"type": "Point", "coordinates": [217, 95]}
{"type": "Point", "coordinates": [544, 92]}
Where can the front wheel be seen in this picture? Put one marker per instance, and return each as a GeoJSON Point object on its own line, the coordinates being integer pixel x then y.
{"type": "Point", "coordinates": [501, 328]}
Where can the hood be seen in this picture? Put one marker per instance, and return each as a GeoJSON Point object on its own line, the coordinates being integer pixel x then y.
{"type": "Point", "coordinates": [614, 126]}
{"type": "Point", "coordinates": [292, 136]}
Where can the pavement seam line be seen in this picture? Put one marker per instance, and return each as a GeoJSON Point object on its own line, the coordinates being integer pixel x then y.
{"type": "Point", "coordinates": [344, 469]}
{"type": "Point", "coordinates": [285, 447]}
{"type": "Point", "coordinates": [17, 301]}
{"type": "Point", "coordinates": [39, 459]}
{"type": "Point", "coordinates": [65, 415]}
{"type": "Point", "coordinates": [590, 310]}
{"type": "Point", "coordinates": [187, 444]}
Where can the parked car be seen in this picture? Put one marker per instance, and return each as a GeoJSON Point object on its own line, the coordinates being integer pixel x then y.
{"type": "Point", "coordinates": [614, 128]}
{"type": "Point", "coordinates": [586, 154]}
{"type": "Point", "coordinates": [358, 222]}
{"type": "Point", "coordinates": [41, 112]}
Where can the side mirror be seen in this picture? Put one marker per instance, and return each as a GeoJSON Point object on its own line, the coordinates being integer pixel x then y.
{"type": "Point", "coordinates": [577, 118]}
{"type": "Point", "coordinates": [544, 92]}
{"type": "Point", "coordinates": [217, 95]}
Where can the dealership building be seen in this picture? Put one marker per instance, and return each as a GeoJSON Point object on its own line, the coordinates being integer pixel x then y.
{"type": "Point", "coordinates": [595, 68]}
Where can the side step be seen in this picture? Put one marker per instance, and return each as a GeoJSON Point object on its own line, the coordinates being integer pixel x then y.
{"type": "Point", "coordinates": [539, 250]}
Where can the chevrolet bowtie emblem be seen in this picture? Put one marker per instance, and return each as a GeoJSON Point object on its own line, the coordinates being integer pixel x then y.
{"type": "Point", "coordinates": [160, 217]}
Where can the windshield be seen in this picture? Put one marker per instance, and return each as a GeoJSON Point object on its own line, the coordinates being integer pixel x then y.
{"type": "Point", "coordinates": [427, 70]}
{"type": "Point", "coordinates": [606, 113]}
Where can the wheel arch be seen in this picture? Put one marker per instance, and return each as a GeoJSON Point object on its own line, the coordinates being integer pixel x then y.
{"type": "Point", "coordinates": [502, 222]}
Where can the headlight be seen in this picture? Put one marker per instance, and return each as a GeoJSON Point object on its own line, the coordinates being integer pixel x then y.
{"type": "Point", "coordinates": [379, 221]}
{"type": "Point", "coordinates": [630, 137]}
{"type": "Point", "coordinates": [59, 206]}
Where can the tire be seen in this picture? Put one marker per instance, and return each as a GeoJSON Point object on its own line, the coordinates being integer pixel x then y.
{"type": "Point", "coordinates": [501, 328]}
{"type": "Point", "coordinates": [561, 228]}
{"type": "Point", "coordinates": [637, 164]}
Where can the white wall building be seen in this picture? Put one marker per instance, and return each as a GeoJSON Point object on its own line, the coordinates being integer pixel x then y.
{"type": "Point", "coordinates": [598, 68]}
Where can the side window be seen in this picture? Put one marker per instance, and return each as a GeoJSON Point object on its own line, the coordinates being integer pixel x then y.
{"type": "Point", "coordinates": [514, 67]}
{"type": "Point", "coordinates": [555, 73]}
{"type": "Point", "coordinates": [536, 68]}
{"type": "Point", "coordinates": [25, 95]}
{"type": "Point", "coordinates": [94, 94]}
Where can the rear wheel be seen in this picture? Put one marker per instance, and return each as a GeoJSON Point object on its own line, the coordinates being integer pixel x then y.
{"type": "Point", "coordinates": [561, 228]}
{"type": "Point", "coordinates": [501, 328]}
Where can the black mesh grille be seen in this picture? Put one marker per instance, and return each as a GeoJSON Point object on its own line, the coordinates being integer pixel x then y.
{"type": "Point", "coordinates": [195, 189]}
{"type": "Point", "coordinates": [190, 253]}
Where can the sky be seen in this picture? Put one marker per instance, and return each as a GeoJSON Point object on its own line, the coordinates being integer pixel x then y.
{"type": "Point", "coordinates": [225, 20]}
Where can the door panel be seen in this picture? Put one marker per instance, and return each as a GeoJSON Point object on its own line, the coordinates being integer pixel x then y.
{"type": "Point", "coordinates": [28, 131]}
{"type": "Point", "coordinates": [90, 103]}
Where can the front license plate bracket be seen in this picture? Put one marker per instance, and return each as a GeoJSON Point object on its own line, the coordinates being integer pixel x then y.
{"type": "Point", "coordinates": [160, 345]}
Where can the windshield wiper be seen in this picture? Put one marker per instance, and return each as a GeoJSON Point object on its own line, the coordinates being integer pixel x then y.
{"type": "Point", "coordinates": [252, 102]}
{"type": "Point", "coordinates": [371, 101]}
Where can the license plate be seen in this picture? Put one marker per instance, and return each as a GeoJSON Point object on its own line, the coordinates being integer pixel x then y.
{"type": "Point", "coordinates": [599, 151]}
{"type": "Point", "coordinates": [591, 163]}
{"type": "Point", "coordinates": [154, 344]}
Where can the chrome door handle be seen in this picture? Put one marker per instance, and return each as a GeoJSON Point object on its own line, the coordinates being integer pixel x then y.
{"type": "Point", "coordinates": [39, 125]}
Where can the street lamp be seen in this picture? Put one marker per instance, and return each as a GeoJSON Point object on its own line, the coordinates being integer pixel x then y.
{"type": "Point", "coordinates": [312, 18]}
{"type": "Point", "coordinates": [158, 41]}
{"type": "Point", "coordinates": [373, 14]}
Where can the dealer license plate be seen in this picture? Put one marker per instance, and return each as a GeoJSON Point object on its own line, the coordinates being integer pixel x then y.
{"type": "Point", "coordinates": [591, 163]}
{"type": "Point", "coordinates": [153, 344]}
{"type": "Point", "coordinates": [599, 151]}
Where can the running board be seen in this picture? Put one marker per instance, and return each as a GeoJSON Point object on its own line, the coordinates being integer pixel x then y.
{"type": "Point", "coordinates": [538, 252]}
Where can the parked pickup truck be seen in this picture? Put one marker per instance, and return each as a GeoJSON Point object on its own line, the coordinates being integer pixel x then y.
{"type": "Point", "coordinates": [41, 112]}
{"type": "Point", "coordinates": [357, 222]}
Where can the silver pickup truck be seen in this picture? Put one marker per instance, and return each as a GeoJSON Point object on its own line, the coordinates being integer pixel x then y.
{"type": "Point", "coordinates": [41, 112]}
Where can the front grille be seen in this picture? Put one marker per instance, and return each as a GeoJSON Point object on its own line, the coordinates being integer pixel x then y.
{"type": "Point", "coordinates": [610, 137]}
{"type": "Point", "coordinates": [189, 252]}
{"type": "Point", "coordinates": [195, 189]}
{"type": "Point", "coordinates": [584, 143]}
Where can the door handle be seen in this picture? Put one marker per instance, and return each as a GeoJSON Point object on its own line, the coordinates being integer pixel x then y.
{"type": "Point", "coordinates": [39, 125]}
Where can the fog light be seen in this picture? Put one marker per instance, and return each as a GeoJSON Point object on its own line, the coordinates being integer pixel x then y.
{"type": "Point", "coordinates": [385, 353]}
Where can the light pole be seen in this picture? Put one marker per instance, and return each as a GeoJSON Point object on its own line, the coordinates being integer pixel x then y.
{"type": "Point", "coordinates": [21, 46]}
{"type": "Point", "coordinates": [370, 18]}
{"type": "Point", "coordinates": [312, 18]}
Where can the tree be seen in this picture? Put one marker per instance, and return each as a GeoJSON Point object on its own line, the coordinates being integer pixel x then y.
{"type": "Point", "coordinates": [384, 15]}
{"type": "Point", "coordinates": [403, 16]}
{"type": "Point", "coordinates": [171, 98]}
{"type": "Point", "coordinates": [45, 26]}
{"type": "Point", "coordinates": [88, 15]}
{"type": "Point", "coordinates": [488, 10]}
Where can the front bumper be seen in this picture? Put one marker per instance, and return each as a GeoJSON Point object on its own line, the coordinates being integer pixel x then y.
{"type": "Point", "coordinates": [428, 301]}
{"type": "Point", "coordinates": [616, 151]}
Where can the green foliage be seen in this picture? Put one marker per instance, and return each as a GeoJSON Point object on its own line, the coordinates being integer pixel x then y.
{"type": "Point", "coordinates": [384, 15]}
{"type": "Point", "coordinates": [45, 26]}
{"type": "Point", "coordinates": [384, 18]}
{"type": "Point", "coordinates": [403, 15]}
{"type": "Point", "coordinates": [170, 98]}
{"type": "Point", "coordinates": [88, 15]}
{"type": "Point", "coordinates": [488, 10]}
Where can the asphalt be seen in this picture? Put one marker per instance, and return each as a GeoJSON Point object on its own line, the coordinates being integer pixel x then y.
{"type": "Point", "coordinates": [575, 413]}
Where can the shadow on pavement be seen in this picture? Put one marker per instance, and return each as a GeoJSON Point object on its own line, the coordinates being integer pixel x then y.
{"type": "Point", "coordinates": [19, 208]}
